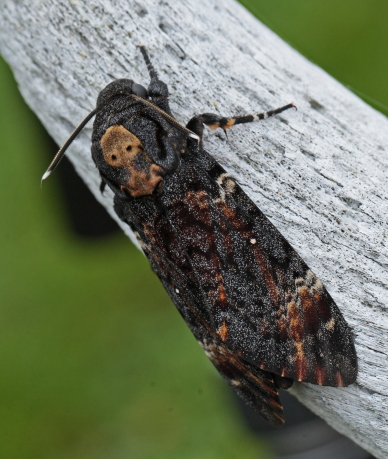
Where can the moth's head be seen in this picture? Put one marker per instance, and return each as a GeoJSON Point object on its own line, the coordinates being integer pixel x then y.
{"type": "Point", "coordinates": [159, 138]}
{"type": "Point", "coordinates": [120, 87]}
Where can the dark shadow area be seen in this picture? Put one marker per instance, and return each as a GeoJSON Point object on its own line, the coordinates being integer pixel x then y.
{"type": "Point", "coordinates": [304, 436]}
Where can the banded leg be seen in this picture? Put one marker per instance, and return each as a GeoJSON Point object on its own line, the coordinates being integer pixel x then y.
{"type": "Point", "coordinates": [157, 89]}
{"type": "Point", "coordinates": [215, 121]}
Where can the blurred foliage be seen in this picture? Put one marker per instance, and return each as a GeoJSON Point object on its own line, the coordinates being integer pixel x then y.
{"type": "Point", "coordinates": [95, 360]}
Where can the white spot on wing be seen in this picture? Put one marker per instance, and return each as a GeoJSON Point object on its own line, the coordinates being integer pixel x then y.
{"type": "Point", "coordinates": [330, 324]}
{"type": "Point", "coordinates": [227, 185]}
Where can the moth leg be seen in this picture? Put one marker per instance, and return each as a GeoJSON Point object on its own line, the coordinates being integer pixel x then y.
{"type": "Point", "coordinates": [157, 89]}
{"type": "Point", "coordinates": [215, 121]}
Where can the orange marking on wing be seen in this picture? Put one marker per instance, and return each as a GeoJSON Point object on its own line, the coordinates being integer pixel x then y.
{"type": "Point", "coordinates": [322, 306]}
{"type": "Point", "coordinates": [221, 354]}
{"type": "Point", "coordinates": [198, 201]}
{"type": "Point", "coordinates": [279, 416]}
{"type": "Point", "coordinates": [296, 329]}
{"type": "Point", "coordinates": [339, 380]}
{"type": "Point", "coordinates": [300, 362]}
{"type": "Point", "coordinates": [319, 373]}
{"type": "Point", "coordinates": [218, 294]}
{"type": "Point", "coordinates": [265, 387]}
{"type": "Point", "coordinates": [228, 212]}
{"type": "Point", "coordinates": [269, 280]}
{"type": "Point", "coordinates": [309, 310]}
{"type": "Point", "coordinates": [222, 298]}
{"type": "Point", "coordinates": [237, 223]}
{"type": "Point", "coordinates": [276, 404]}
{"type": "Point", "coordinates": [246, 233]}
{"type": "Point", "coordinates": [213, 126]}
{"type": "Point", "coordinates": [223, 331]}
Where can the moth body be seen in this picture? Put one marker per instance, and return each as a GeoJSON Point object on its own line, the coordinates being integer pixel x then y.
{"type": "Point", "coordinates": [258, 311]}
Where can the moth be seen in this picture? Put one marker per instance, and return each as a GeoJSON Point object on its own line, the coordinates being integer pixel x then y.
{"type": "Point", "coordinates": [261, 315]}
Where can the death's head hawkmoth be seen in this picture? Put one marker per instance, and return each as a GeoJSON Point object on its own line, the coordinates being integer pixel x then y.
{"type": "Point", "coordinates": [261, 315]}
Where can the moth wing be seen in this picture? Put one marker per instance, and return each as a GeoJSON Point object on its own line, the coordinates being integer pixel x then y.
{"type": "Point", "coordinates": [256, 387]}
{"type": "Point", "coordinates": [262, 300]}
{"type": "Point", "coordinates": [162, 246]}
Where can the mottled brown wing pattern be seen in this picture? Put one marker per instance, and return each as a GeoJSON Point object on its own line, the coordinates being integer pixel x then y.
{"type": "Point", "coordinates": [260, 314]}
{"type": "Point", "coordinates": [256, 387]}
{"type": "Point", "coordinates": [163, 247]}
{"type": "Point", "coordinates": [265, 303]}
{"type": "Point", "coordinates": [250, 309]}
{"type": "Point", "coordinates": [317, 344]}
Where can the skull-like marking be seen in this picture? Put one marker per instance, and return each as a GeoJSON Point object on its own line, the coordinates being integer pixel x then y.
{"type": "Point", "coordinates": [122, 149]}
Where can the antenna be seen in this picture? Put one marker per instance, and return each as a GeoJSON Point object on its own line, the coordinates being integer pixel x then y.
{"type": "Point", "coordinates": [153, 73]}
{"type": "Point", "coordinates": [57, 158]}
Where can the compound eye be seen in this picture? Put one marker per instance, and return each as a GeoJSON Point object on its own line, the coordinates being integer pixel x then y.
{"type": "Point", "coordinates": [139, 90]}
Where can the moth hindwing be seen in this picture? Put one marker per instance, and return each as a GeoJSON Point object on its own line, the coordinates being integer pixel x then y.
{"type": "Point", "coordinates": [260, 314]}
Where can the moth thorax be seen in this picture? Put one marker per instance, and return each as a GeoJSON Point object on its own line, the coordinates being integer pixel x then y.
{"type": "Point", "coordinates": [125, 152]}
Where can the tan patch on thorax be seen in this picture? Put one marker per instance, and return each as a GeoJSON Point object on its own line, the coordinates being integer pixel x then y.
{"type": "Point", "coordinates": [122, 149]}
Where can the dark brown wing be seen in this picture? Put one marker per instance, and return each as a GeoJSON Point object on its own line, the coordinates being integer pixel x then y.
{"type": "Point", "coordinates": [263, 301]}
{"type": "Point", "coordinates": [168, 257]}
{"type": "Point", "coordinates": [247, 296]}
{"type": "Point", "coordinates": [256, 387]}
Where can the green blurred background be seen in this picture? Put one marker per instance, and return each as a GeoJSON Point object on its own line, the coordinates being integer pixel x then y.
{"type": "Point", "coordinates": [95, 361]}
